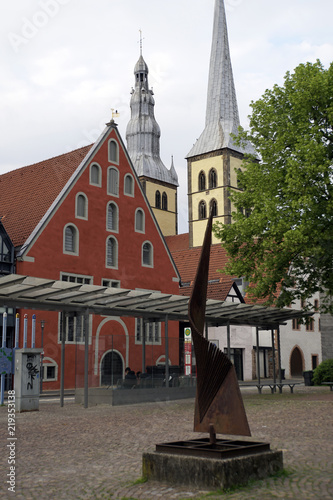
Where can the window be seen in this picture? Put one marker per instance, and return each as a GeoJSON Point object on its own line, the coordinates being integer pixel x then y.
{"type": "Point", "coordinates": [202, 181]}
{"type": "Point", "coordinates": [314, 360]}
{"type": "Point", "coordinates": [147, 254]}
{"type": "Point", "coordinates": [112, 217]}
{"type": "Point", "coordinates": [111, 252]}
{"type": "Point", "coordinates": [5, 252]}
{"type": "Point", "coordinates": [129, 185]}
{"type": "Point", "coordinates": [316, 305]}
{"type": "Point", "coordinates": [111, 283]}
{"type": "Point", "coordinates": [71, 240]}
{"type": "Point", "coordinates": [239, 184]}
{"type": "Point", "coordinates": [213, 207]}
{"type": "Point", "coordinates": [158, 199]}
{"type": "Point", "coordinates": [76, 278]}
{"type": "Point", "coordinates": [212, 178]}
{"type": "Point", "coordinates": [139, 220]}
{"type": "Point", "coordinates": [81, 206]}
{"type": "Point", "coordinates": [113, 181]}
{"type": "Point", "coordinates": [310, 325]}
{"type": "Point", "coordinates": [50, 370]}
{"type": "Point", "coordinates": [113, 151]}
{"type": "Point", "coordinates": [95, 174]}
{"type": "Point", "coordinates": [74, 328]}
{"type": "Point", "coordinates": [164, 201]}
{"type": "Point", "coordinates": [296, 324]}
{"type": "Point", "coordinates": [152, 331]}
{"type": "Point", "coordinates": [202, 210]}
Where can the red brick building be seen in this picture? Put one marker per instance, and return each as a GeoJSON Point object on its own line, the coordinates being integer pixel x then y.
{"type": "Point", "coordinates": [83, 217]}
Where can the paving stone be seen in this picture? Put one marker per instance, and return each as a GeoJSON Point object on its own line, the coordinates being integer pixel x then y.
{"type": "Point", "coordinates": [96, 453]}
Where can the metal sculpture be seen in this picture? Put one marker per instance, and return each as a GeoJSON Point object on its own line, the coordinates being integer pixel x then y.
{"type": "Point", "coordinates": [219, 405]}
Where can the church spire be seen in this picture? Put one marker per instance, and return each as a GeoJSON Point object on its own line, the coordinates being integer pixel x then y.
{"type": "Point", "coordinates": [143, 132]}
{"type": "Point", "coordinates": [222, 118]}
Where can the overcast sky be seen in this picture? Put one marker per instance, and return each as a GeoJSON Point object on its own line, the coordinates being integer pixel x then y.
{"type": "Point", "coordinates": [66, 63]}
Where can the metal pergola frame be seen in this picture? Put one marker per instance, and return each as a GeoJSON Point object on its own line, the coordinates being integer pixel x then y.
{"type": "Point", "coordinates": [26, 292]}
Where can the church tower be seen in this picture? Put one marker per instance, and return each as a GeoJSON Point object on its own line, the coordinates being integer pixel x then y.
{"type": "Point", "coordinates": [143, 145]}
{"type": "Point", "coordinates": [214, 159]}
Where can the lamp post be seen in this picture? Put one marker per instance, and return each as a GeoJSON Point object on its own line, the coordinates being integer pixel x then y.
{"type": "Point", "coordinates": [42, 324]}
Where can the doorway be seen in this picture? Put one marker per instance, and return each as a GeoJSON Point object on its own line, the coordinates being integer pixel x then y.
{"type": "Point", "coordinates": [112, 368]}
{"type": "Point", "coordinates": [296, 363]}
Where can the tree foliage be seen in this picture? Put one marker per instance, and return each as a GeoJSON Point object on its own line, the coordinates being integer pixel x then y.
{"type": "Point", "coordinates": [285, 246]}
{"type": "Point", "coordinates": [323, 372]}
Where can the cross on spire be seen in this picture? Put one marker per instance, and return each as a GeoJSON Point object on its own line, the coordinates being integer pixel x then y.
{"type": "Point", "coordinates": [141, 40]}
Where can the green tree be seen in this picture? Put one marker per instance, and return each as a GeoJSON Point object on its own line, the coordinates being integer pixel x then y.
{"type": "Point", "coordinates": [285, 246]}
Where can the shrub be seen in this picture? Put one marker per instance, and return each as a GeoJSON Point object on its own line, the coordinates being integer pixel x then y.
{"type": "Point", "coordinates": [323, 372]}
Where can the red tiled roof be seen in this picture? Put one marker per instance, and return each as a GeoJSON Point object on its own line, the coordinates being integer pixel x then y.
{"type": "Point", "coordinates": [178, 242]}
{"type": "Point", "coordinates": [31, 191]}
{"type": "Point", "coordinates": [186, 260]}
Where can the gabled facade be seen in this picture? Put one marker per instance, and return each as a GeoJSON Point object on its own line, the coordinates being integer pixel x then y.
{"type": "Point", "coordinates": [83, 217]}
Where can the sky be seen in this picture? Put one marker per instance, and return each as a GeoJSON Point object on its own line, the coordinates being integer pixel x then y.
{"type": "Point", "coordinates": [66, 63]}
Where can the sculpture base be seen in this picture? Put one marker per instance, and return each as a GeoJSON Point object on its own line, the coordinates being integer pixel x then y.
{"type": "Point", "coordinates": [211, 467]}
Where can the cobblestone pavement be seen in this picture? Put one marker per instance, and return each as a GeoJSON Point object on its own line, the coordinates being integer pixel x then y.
{"type": "Point", "coordinates": [96, 453]}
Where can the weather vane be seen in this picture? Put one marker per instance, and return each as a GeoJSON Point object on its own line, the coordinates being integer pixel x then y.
{"type": "Point", "coordinates": [114, 113]}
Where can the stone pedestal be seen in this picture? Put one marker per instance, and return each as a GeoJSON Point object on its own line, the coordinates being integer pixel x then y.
{"type": "Point", "coordinates": [210, 473]}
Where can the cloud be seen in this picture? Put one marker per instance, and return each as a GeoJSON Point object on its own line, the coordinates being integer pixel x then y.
{"type": "Point", "coordinates": [57, 89]}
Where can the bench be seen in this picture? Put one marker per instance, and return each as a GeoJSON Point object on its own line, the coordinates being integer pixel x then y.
{"type": "Point", "coordinates": [280, 385]}
{"type": "Point", "coordinates": [328, 383]}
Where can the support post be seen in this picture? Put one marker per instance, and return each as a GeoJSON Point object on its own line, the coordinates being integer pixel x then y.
{"type": "Point", "coordinates": [273, 355]}
{"type": "Point", "coordinates": [4, 335]}
{"type": "Point", "coordinates": [143, 337]}
{"type": "Point", "coordinates": [62, 370]}
{"type": "Point", "coordinates": [33, 331]}
{"type": "Point", "coordinates": [228, 340]}
{"type": "Point", "coordinates": [17, 330]}
{"type": "Point", "coordinates": [25, 331]}
{"type": "Point", "coordinates": [166, 351]}
{"type": "Point", "coordinates": [258, 357]}
{"type": "Point", "coordinates": [42, 324]}
{"type": "Point", "coordinates": [206, 330]}
{"type": "Point", "coordinates": [86, 356]}
{"type": "Point", "coordinates": [279, 353]}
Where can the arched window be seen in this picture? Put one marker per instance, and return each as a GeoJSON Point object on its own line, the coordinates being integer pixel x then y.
{"type": "Point", "coordinates": [81, 208]}
{"type": "Point", "coordinates": [213, 207]}
{"type": "Point", "coordinates": [113, 181]}
{"type": "Point", "coordinates": [158, 199]}
{"type": "Point", "coordinates": [113, 151]}
{"type": "Point", "coordinates": [112, 217]}
{"type": "Point", "coordinates": [202, 181]}
{"type": "Point", "coordinates": [147, 254]}
{"type": "Point", "coordinates": [202, 210]}
{"type": "Point", "coordinates": [95, 174]}
{"type": "Point", "coordinates": [111, 252]}
{"type": "Point", "coordinates": [129, 185]}
{"type": "Point", "coordinates": [71, 243]}
{"type": "Point", "coordinates": [164, 201]}
{"type": "Point", "coordinates": [140, 221]}
{"type": "Point", "coordinates": [239, 183]}
{"type": "Point", "coordinates": [212, 178]}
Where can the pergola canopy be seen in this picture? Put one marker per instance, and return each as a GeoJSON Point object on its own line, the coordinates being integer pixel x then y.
{"type": "Point", "coordinates": [53, 295]}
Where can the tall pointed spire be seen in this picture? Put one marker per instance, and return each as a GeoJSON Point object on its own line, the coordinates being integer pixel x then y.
{"type": "Point", "coordinates": [222, 118]}
{"type": "Point", "coordinates": [143, 132]}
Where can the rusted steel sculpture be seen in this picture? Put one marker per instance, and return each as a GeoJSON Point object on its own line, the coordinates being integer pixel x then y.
{"type": "Point", "coordinates": [219, 405]}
